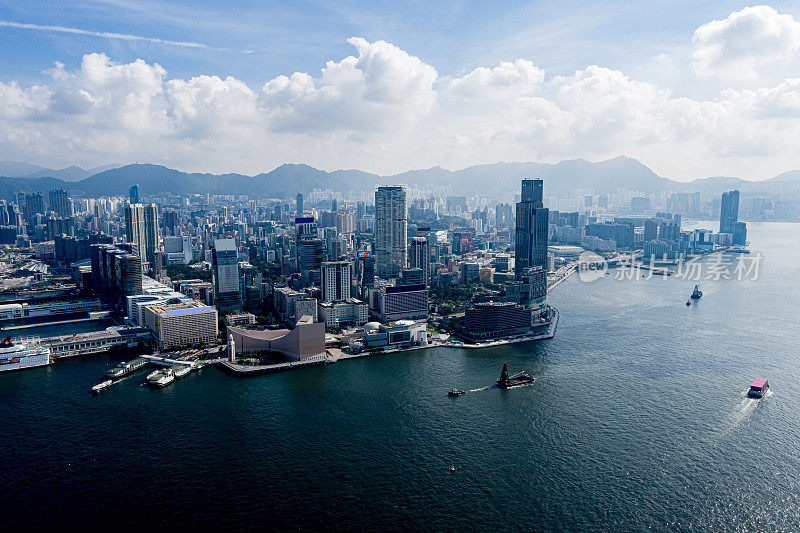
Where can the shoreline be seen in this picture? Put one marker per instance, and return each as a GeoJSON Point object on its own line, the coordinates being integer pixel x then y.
{"type": "Point", "coordinates": [251, 370]}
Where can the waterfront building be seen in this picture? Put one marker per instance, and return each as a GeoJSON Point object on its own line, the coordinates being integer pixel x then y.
{"type": "Point", "coordinates": [391, 230]}
{"type": "Point", "coordinates": [399, 334]}
{"type": "Point", "coordinates": [305, 342]}
{"type": "Point", "coordinates": [530, 244]}
{"type": "Point", "coordinates": [729, 211]}
{"type": "Point", "coordinates": [225, 264]}
{"type": "Point", "coordinates": [181, 323]}
{"type": "Point", "coordinates": [496, 319]}
{"type": "Point", "coordinates": [22, 311]}
{"type": "Point", "coordinates": [740, 233]}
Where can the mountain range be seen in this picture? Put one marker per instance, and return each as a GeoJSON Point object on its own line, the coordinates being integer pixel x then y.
{"type": "Point", "coordinates": [498, 179]}
{"type": "Point", "coordinates": [15, 169]}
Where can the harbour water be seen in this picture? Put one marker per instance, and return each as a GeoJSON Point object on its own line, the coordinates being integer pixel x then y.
{"type": "Point", "coordinates": [638, 419]}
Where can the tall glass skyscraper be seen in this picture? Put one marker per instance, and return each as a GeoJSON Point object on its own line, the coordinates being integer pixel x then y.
{"type": "Point", "coordinates": [530, 245]}
{"type": "Point", "coordinates": [729, 211]}
{"type": "Point", "coordinates": [420, 256]}
{"type": "Point", "coordinates": [391, 231]}
{"type": "Point", "coordinates": [225, 259]}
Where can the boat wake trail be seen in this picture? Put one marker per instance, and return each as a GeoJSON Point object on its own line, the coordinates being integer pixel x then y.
{"type": "Point", "coordinates": [482, 388]}
{"type": "Point", "coordinates": [746, 407]}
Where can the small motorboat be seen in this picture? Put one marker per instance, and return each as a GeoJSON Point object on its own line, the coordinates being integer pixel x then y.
{"type": "Point", "coordinates": [688, 303]}
{"type": "Point", "coordinates": [97, 389]}
{"type": "Point", "coordinates": [455, 392]}
{"type": "Point", "coordinates": [452, 468]}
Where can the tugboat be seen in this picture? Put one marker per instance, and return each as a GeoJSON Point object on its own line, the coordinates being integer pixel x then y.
{"type": "Point", "coordinates": [506, 382]}
{"type": "Point", "coordinates": [696, 293]}
{"type": "Point", "coordinates": [455, 392]}
{"type": "Point", "coordinates": [759, 388]}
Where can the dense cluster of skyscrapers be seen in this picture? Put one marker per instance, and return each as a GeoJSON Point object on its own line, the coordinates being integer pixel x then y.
{"type": "Point", "coordinates": [386, 257]}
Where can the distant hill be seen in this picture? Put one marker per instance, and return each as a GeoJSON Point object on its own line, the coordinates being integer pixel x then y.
{"type": "Point", "coordinates": [15, 169]}
{"type": "Point", "coordinates": [601, 178]}
{"type": "Point", "coordinates": [792, 175]}
{"type": "Point", "coordinates": [498, 179]}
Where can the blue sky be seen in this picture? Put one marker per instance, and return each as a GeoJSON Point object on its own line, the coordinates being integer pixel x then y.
{"type": "Point", "coordinates": [256, 42]}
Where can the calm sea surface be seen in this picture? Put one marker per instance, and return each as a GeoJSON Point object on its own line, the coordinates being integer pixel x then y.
{"type": "Point", "coordinates": [638, 420]}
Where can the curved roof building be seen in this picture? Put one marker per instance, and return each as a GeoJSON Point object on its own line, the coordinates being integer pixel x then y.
{"type": "Point", "coordinates": [303, 342]}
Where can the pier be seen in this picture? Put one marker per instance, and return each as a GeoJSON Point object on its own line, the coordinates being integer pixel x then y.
{"type": "Point", "coordinates": [57, 323]}
{"type": "Point", "coordinates": [115, 337]}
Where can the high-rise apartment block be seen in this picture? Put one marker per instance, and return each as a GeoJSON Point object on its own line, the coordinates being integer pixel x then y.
{"type": "Point", "coordinates": [391, 231]}
{"type": "Point", "coordinates": [141, 229]}
{"type": "Point", "coordinates": [336, 280]}
{"type": "Point", "coordinates": [61, 204]}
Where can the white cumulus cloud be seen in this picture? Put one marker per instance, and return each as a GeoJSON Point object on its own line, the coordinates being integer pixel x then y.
{"type": "Point", "coordinates": [748, 39]}
{"type": "Point", "coordinates": [385, 110]}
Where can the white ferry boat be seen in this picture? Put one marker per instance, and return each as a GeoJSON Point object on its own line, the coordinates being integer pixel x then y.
{"type": "Point", "coordinates": [181, 370]}
{"type": "Point", "coordinates": [18, 356]}
{"type": "Point", "coordinates": [164, 378]}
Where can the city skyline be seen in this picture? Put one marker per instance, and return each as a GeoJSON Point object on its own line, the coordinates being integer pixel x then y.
{"type": "Point", "coordinates": [426, 266]}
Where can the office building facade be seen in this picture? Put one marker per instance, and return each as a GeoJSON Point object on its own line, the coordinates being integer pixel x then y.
{"type": "Point", "coordinates": [530, 244]}
{"type": "Point", "coordinates": [225, 263]}
{"type": "Point", "coordinates": [729, 211]}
